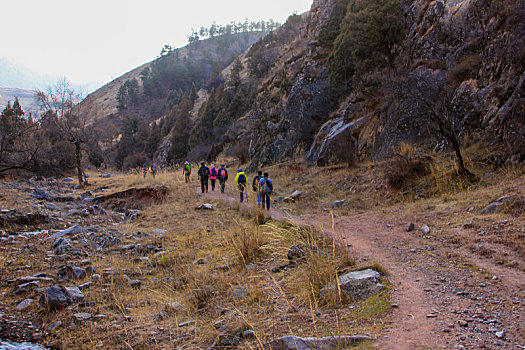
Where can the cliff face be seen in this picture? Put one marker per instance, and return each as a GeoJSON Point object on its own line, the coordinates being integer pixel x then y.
{"type": "Point", "coordinates": [480, 44]}
{"type": "Point", "coordinates": [287, 119]}
{"type": "Point", "coordinates": [297, 111]}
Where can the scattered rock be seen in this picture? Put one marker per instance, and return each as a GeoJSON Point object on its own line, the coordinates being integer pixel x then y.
{"type": "Point", "coordinates": [240, 292]}
{"type": "Point", "coordinates": [294, 196]}
{"type": "Point", "coordinates": [51, 206]}
{"type": "Point", "coordinates": [500, 334]}
{"type": "Point", "coordinates": [498, 206]}
{"type": "Point", "coordinates": [411, 227]}
{"type": "Point", "coordinates": [298, 252]}
{"type": "Point", "coordinates": [39, 194]}
{"type": "Point", "coordinates": [57, 297]}
{"type": "Point", "coordinates": [69, 231]}
{"type": "Point", "coordinates": [468, 224]}
{"type": "Point", "coordinates": [338, 204]}
{"type": "Point", "coordinates": [135, 283]}
{"type": "Point", "coordinates": [24, 304]}
{"type": "Point", "coordinates": [205, 206]}
{"type": "Point", "coordinates": [425, 229]}
{"type": "Point", "coordinates": [25, 288]}
{"type": "Point", "coordinates": [54, 326]}
{"type": "Point", "coordinates": [358, 285]}
{"type": "Point", "coordinates": [82, 317]}
{"type": "Point", "coordinates": [291, 342]}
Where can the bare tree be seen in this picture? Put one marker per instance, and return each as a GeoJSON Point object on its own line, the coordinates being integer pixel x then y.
{"type": "Point", "coordinates": [426, 98]}
{"type": "Point", "coordinates": [70, 119]}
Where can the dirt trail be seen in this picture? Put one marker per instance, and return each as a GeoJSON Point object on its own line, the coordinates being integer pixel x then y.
{"type": "Point", "coordinates": [434, 295]}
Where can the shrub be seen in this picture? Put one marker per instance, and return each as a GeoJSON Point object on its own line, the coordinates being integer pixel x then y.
{"type": "Point", "coordinates": [402, 173]}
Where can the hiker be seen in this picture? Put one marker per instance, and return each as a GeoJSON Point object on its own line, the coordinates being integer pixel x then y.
{"type": "Point", "coordinates": [204, 174]}
{"type": "Point", "coordinates": [240, 180]}
{"type": "Point", "coordinates": [255, 186]}
{"type": "Point", "coordinates": [154, 169]}
{"type": "Point", "coordinates": [213, 176]}
{"type": "Point", "coordinates": [223, 176]}
{"type": "Point", "coordinates": [144, 170]}
{"type": "Point", "coordinates": [186, 171]}
{"type": "Point", "coordinates": [265, 189]}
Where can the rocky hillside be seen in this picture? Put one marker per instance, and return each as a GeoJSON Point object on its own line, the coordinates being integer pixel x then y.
{"type": "Point", "coordinates": [334, 85]}
{"type": "Point", "coordinates": [478, 44]}
{"type": "Point", "coordinates": [200, 59]}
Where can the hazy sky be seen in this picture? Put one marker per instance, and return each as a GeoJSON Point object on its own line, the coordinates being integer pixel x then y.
{"type": "Point", "coordinates": [98, 40]}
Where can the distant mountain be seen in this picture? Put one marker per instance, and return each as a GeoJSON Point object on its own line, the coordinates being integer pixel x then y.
{"type": "Point", "coordinates": [15, 75]}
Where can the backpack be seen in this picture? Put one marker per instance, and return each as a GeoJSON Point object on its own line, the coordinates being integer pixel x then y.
{"type": "Point", "coordinates": [223, 173]}
{"type": "Point", "coordinates": [214, 172]}
{"type": "Point", "coordinates": [268, 188]}
{"type": "Point", "coordinates": [242, 179]}
{"type": "Point", "coordinates": [188, 168]}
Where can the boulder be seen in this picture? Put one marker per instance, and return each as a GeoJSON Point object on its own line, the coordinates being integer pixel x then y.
{"type": "Point", "coordinates": [298, 252]}
{"type": "Point", "coordinates": [294, 196]}
{"type": "Point", "coordinates": [499, 205]}
{"type": "Point", "coordinates": [58, 297]}
{"type": "Point", "coordinates": [39, 194]}
{"type": "Point", "coordinates": [71, 272]}
{"type": "Point", "coordinates": [291, 342]}
{"type": "Point", "coordinates": [24, 304]}
{"type": "Point", "coordinates": [25, 288]}
{"type": "Point", "coordinates": [205, 206]}
{"type": "Point", "coordinates": [82, 317]}
{"type": "Point", "coordinates": [335, 142]}
{"type": "Point", "coordinates": [358, 285]}
{"type": "Point", "coordinates": [69, 231]}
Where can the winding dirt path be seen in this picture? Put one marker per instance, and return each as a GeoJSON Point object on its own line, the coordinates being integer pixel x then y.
{"type": "Point", "coordinates": [440, 301]}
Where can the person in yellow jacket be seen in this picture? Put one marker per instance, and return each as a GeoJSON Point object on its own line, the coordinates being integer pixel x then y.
{"type": "Point", "coordinates": [241, 180]}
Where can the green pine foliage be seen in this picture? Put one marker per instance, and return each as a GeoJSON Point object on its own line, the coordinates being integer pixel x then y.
{"type": "Point", "coordinates": [370, 34]}
{"type": "Point", "coordinates": [332, 28]}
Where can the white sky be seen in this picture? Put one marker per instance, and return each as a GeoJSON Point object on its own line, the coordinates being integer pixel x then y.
{"type": "Point", "coordinates": [98, 40]}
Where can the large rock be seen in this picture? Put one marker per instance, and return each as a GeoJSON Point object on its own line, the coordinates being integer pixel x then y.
{"type": "Point", "coordinates": [358, 285]}
{"type": "Point", "coordinates": [39, 194]}
{"type": "Point", "coordinates": [58, 297]}
{"type": "Point", "coordinates": [291, 342]}
{"type": "Point", "coordinates": [335, 142]}
{"type": "Point", "coordinates": [69, 231]}
{"type": "Point", "coordinates": [500, 204]}
{"type": "Point", "coordinates": [298, 252]}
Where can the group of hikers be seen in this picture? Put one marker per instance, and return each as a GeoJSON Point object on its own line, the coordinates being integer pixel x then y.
{"type": "Point", "coordinates": [152, 169]}
{"type": "Point", "coordinates": [261, 185]}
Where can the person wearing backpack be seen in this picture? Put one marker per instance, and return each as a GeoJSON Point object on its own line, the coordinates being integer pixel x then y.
{"type": "Point", "coordinates": [213, 176]}
{"type": "Point", "coordinates": [223, 176]}
{"type": "Point", "coordinates": [255, 186]}
{"type": "Point", "coordinates": [144, 170]}
{"type": "Point", "coordinates": [241, 180]}
{"type": "Point", "coordinates": [154, 169]}
{"type": "Point", "coordinates": [186, 171]}
{"type": "Point", "coordinates": [204, 174]}
{"type": "Point", "coordinates": [265, 190]}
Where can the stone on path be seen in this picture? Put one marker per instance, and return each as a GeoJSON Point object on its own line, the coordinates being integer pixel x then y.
{"type": "Point", "coordinates": [358, 285]}
{"type": "Point", "coordinates": [291, 342]}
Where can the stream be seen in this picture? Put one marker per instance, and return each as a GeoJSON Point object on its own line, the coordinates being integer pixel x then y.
{"type": "Point", "coordinates": [7, 345]}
